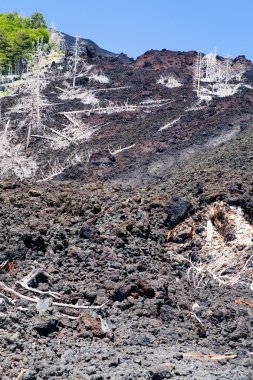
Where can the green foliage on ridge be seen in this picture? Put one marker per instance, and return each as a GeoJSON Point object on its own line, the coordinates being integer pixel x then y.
{"type": "Point", "coordinates": [18, 36]}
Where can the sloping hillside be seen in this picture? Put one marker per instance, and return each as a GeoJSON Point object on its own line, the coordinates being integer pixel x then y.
{"type": "Point", "coordinates": [122, 120]}
{"type": "Point", "coordinates": [126, 228]}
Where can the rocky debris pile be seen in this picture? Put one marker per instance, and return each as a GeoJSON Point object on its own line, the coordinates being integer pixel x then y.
{"type": "Point", "coordinates": [105, 244]}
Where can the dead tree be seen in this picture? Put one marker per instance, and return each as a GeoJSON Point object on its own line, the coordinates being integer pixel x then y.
{"type": "Point", "coordinates": [35, 84]}
{"type": "Point", "coordinates": [57, 38]}
{"type": "Point", "coordinates": [75, 61]}
{"type": "Point", "coordinates": [215, 76]}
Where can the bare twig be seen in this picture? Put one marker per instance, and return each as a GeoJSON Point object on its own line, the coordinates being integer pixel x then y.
{"type": "Point", "coordinates": [30, 277]}
{"type": "Point", "coordinates": [208, 356]}
{"type": "Point", "coordinates": [57, 304]}
{"type": "Point", "coordinates": [114, 108]}
{"type": "Point", "coordinates": [43, 137]}
{"type": "Point", "coordinates": [72, 121]}
{"type": "Point", "coordinates": [17, 294]}
{"type": "Point", "coordinates": [81, 307]}
{"type": "Point", "coordinates": [70, 316]}
{"type": "Point", "coordinates": [21, 308]}
{"type": "Point", "coordinates": [6, 127]}
{"type": "Point", "coordinates": [116, 151]}
{"type": "Point", "coordinates": [198, 319]}
{"type": "Point", "coordinates": [21, 374]}
{"type": "Point", "coordinates": [61, 89]}
{"type": "Point", "coordinates": [62, 135]}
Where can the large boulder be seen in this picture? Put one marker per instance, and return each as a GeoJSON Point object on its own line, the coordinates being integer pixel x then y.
{"type": "Point", "coordinates": [177, 209]}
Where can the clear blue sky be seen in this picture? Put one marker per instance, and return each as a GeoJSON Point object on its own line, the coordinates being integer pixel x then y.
{"type": "Point", "coordinates": [135, 26]}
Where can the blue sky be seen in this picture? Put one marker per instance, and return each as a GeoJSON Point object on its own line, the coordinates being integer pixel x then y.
{"type": "Point", "coordinates": [135, 26]}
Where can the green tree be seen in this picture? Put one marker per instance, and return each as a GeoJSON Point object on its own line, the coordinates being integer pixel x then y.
{"type": "Point", "coordinates": [38, 20]}
{"type": "Point", "coordinates": [18, 37]}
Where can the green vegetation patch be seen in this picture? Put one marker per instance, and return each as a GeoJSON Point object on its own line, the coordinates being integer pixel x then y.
{"type": "Point", "coordinates": [18, 36]}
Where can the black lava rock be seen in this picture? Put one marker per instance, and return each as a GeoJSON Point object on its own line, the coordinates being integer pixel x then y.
{"type": "Point", "coordinates": [177, 210]}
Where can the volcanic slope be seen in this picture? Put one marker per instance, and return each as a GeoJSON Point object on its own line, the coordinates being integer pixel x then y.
{"type": "Point", "coordinates": [159, 233]}
{"type": "Point", "coordinates": [121, 121]}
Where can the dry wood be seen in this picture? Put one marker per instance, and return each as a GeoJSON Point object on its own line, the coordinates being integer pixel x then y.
{"type": "Point", "coordinates": [6, 127]}
{"type": "Point", "coordinates": [17, 294]}
{"type": "Point", "coordinates": [21, 308]}
{"type": "Point", "coordinates": [30, 277]}
{"type": "Point", "coordinates": [43, 137]}
{"type": "Point", "coordinates": [21, 374]}
{"type": "Point", "coordinates": [208, 356]}
{"type": "Point", "coordinates": [57, 304]}
{"type": "Point", "coordinates": [116, 108]}
{"type": "Point", "coordinates": [81, 307]}
{"type": "Point", "coordinates": [10, 266]}
{"type": "Point", "coordinates": [61, 89]}
{"type": "Point", "coordinates": [198, 319]}
{"type": "Point", "coordinates": [116, 151]}
{"type": "Point", "coordinates": [62, 135]}
{"type": "Point", "coordinates": [72, 121]}
{"type": "Point", "coordinates": [109, 88]}
{"type": "Point", "coordinates": [192, 231]}
{"type": "Point", "coordinates": [70, 316]}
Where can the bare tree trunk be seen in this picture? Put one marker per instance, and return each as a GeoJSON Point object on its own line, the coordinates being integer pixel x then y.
{"type": "Point", "coordinates": [28, 136]}
{"type": "Point", "coordinates": [38, 94]}
{"type": "Point", "coordinates": [75, 62]}
{"type": "Point", "coordinates": [36, 102]}
{"type": "Point", "coordinates": [199, 74]}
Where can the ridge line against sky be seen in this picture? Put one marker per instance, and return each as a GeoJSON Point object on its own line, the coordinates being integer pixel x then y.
{"type": "Point", "coordinates": [135, 26]}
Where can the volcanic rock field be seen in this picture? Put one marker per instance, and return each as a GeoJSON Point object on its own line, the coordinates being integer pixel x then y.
{"type": "Point", "coordinates": [127, 223]}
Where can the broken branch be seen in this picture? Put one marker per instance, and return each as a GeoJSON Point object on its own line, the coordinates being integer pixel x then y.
{"type": "Point", "coordinates": [62, 135]}
{"type": "Point", "coordinates": [30, 277]}
{"type": "Point", "coordinates": [57, 304]}
{"type": "Point", "coordinates": [17, 294]}
{"type": "Point", "coordinates": [208, 356]}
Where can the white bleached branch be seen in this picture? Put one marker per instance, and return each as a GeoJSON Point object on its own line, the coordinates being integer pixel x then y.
{"type": "Point", "coordinates": [169, 125]}
{"type": "Point", "coordinates": [116, 108]}
{"type": "Point", "coordinates": [26, 281]}
{"type": "Point", "coordinates": [57, 304]}
{"type": "Point", "coordinates": [117, 151]}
